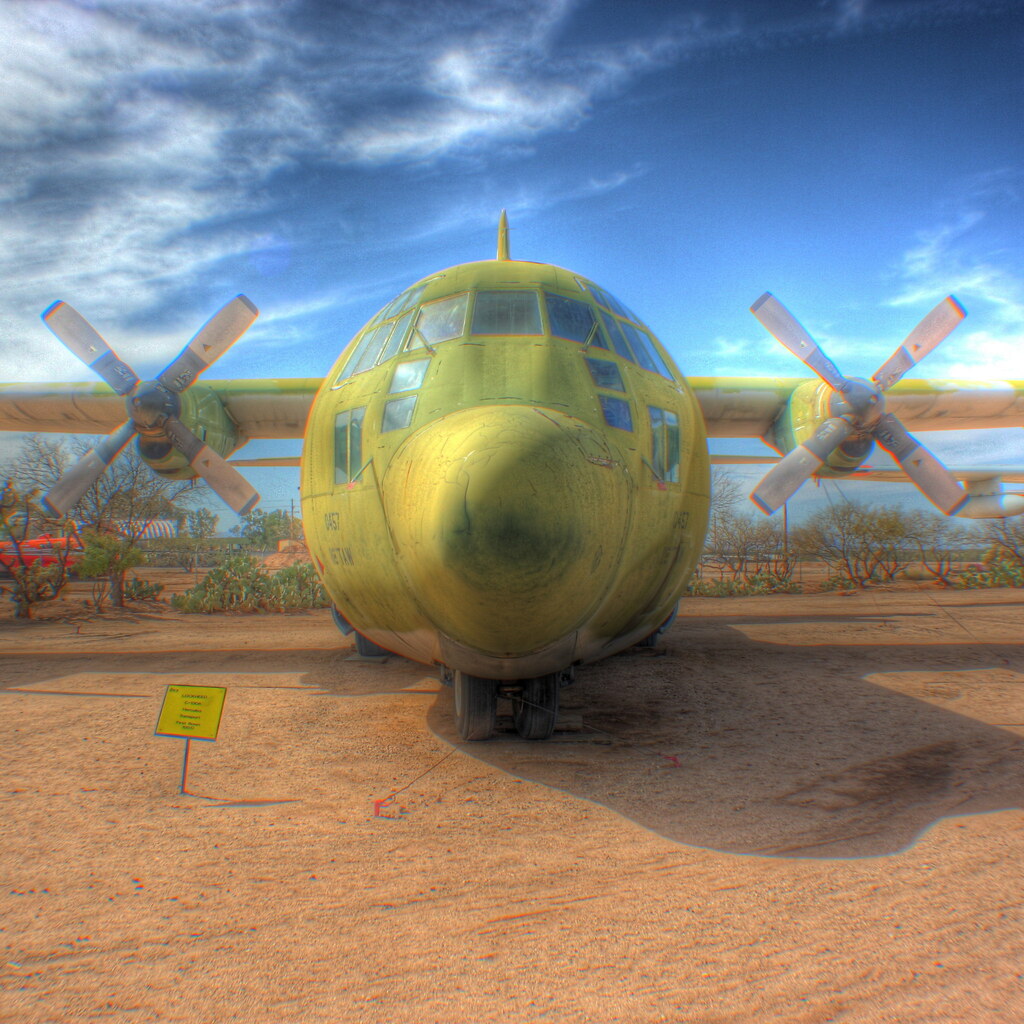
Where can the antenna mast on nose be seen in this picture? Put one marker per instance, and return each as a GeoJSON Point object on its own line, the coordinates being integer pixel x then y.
{"type": "Point", "coordinates": [503, 237]}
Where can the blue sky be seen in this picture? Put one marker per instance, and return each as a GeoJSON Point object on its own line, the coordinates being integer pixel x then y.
{"type": "Point", "coordinates": [859, 159]}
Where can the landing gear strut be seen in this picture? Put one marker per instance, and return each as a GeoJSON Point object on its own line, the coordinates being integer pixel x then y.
{"type": "Point", "coordinates": [366, 648]}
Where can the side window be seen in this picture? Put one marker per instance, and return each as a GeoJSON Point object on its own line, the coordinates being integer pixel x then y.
{"type": "Point", "coordinates": [572, 320]}
{"type": "Point", "coordinates": [443, 320]}
{"type": "Point", "coordinates": [606, 374]}
{"type": "Point", "coordinates": [348, 444]}
{"type": "Point", "coordinates": [506, 313]}
{"type": "Point", "coordinates": [665, 448]}
{"type": "Point", "coordinates": [616, 412]}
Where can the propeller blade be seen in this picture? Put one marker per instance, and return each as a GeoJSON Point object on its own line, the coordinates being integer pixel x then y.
{"type": "Point", "coordinates": [68, 490]}
{"type": "Point", "coordinates": [232, 487]}
{"type": "Point", "coordinates": [84, 341]}
{"type": "Point", "coordinates": [211, 341]}
{"type": "Point", "coordinates": [779, 322]}
{"type": "Point", "coordinates": [935, 326]}
{"type": "Point", "coordinates": [783, 480]}
{"type": "Point", "coordinates": [933, 480]}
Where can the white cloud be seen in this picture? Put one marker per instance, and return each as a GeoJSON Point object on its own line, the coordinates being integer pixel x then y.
{"type": "Point", "coordinates": [966, 257]}
{"type": "Point", "coordinates": [139, 138]}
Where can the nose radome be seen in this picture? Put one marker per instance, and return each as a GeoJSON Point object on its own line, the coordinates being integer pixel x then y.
{"type": "Point", "coordinates": [508, 524]}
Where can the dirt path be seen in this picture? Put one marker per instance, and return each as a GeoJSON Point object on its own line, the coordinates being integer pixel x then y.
{"type": "Point", "coordinates": [778, 817]}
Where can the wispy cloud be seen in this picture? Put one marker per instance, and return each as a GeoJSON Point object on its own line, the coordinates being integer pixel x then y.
{"type": "Point", "coordinates": [140, 141]}
{"type": "Point", "coordinates": [967, 256]}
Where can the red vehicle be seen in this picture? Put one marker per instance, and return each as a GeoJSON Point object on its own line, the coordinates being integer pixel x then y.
{"type": "Point", "coordinates": [46, 549]}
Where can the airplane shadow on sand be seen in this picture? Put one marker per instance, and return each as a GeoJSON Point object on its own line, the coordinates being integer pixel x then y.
{"type": "Point", "coordinates": [748, 746]}
{"type": "Point", "coordinates": [850, 748]}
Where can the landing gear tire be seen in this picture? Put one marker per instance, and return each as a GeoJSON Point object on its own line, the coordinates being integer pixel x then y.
{"type": "Point", "coordinates": [366, 648]}
{"type": "Point", "coordinates": [476, 706]}
{"type": "Point", "coordinates": [535, 708]}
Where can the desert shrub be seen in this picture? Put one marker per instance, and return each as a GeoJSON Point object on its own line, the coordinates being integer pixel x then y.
{"type": "Point", "coordinates": [139, 590]}
{"type": "Point", "coordinates": [757, 583]}
{"type": "Point", "coordinates": [242, 583]}
{"type": "Point", "coordinates": [239, 583]}
{"type": "Point", "coordinates": [858, 543]}
{"type": "Point", "coordinates": [105, 560]}
{"type": "Point", "coordinates": [742, 547]}
{"type": "Point", "coordinates": [298, 586]}
{"type": "Point", "coordinates": [1001, 570]}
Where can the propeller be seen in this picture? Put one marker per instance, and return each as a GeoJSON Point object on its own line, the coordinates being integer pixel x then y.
{"type": "Point", "coordinates": [857, 409]}
{"type": "Point", "coordinates": [153, 407]}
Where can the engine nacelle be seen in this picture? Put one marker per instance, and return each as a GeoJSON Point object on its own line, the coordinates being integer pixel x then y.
{"type": "Point", "coordinates": [204, 414]}
{"type": "Point", "coordinates": [808, 407]}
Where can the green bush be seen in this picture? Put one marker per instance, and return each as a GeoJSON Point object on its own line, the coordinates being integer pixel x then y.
{"type": "Point", "coordinates": [758, 583]}
{"type": "Point", "coordinates": [298, 586]}
{"type": "Point", "coordinates": [139, 590]}
{"type": "Point", "coordinates": [242, 583]}
{"type": "Point", "coordinates": [1001, 571]}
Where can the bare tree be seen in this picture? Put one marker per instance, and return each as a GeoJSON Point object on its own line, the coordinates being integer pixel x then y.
{"type": "Point", "coordinates": [35, 576]}
{"type": "Point", "coordinates": [122, 503]}
{"type": "Point", "coordinates": [857, 542]}
{"type": "Point", "coordinates": [1007, 537]}
{"type": "Point", "coordinates": [939, 540]}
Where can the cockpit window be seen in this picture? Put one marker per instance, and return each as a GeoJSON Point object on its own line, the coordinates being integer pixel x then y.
{"type": "Point", "coordinates": [509, 312]}
{"type": "Point", "coordinates": [618, 339]}
{"type": "Point", "coordinates": [647, 355]}
{"type": "Point", "coordinates": [572, 319]}
{"type": "Point", "coordinates": [442, 320]}
{"type": "Point", "coordinates": [638, 343]}
{"type": "Point", "coordinates": [394, 344]}
{"type": "Point", "coordinates": [409, 375]}
{"type": "Point", "coordinates": [606, 374]}
{"type": "Point", "coordinates": [365, 353]}
{"type": "Point", "coordinates": [401, 302]}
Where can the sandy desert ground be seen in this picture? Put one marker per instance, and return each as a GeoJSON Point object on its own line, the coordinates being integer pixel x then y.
{"type": "Point", "coordinates": [798, 809]}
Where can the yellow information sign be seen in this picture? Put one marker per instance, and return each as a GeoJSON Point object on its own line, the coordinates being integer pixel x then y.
{"type": "Point", "coordinates": [191, 712]}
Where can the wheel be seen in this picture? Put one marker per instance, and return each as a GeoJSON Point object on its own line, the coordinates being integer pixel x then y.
{"type": "Point", "coordinates": [476, 706]}
{"type": "Point", "coordinates": [366, 648]}
{"type": "Point", "coordinates": [535, 708]}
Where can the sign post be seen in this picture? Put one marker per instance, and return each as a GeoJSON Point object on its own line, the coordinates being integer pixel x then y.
{"type": "Point", "coordinates": [191, 713]}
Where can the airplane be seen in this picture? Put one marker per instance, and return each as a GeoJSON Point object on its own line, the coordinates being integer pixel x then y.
{"type": "Point", "coordinates": [46, 549]}
{"type": "Point", "coordinates": [504, 474]}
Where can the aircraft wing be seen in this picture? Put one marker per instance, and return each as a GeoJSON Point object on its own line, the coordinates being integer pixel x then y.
{"type": "Point", "coordinates": [274, 408]}
{"type": "Point", "coordinates": [732, 406]}
{"type": "Point", "coordinates": [747, 406]}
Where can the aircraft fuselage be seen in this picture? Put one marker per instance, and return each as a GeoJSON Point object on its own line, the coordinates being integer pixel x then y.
{"type": "Point", "coordinates": [504, 474]}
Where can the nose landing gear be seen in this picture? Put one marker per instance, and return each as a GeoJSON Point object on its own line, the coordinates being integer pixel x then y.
{"type": "Point", "coordinates": [534, 705]}
{"type": "Point", "coordinates": [476, 706]}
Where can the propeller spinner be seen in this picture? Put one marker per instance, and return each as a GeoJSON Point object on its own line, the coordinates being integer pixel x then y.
{"type": "Point", "coordinates": [858, 409]}
{"type": "Point", "coordinates": [153, 408]}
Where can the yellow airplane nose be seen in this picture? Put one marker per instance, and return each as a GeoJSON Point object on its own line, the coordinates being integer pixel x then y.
{"type": "Point", "coordinates": [507, 522]}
